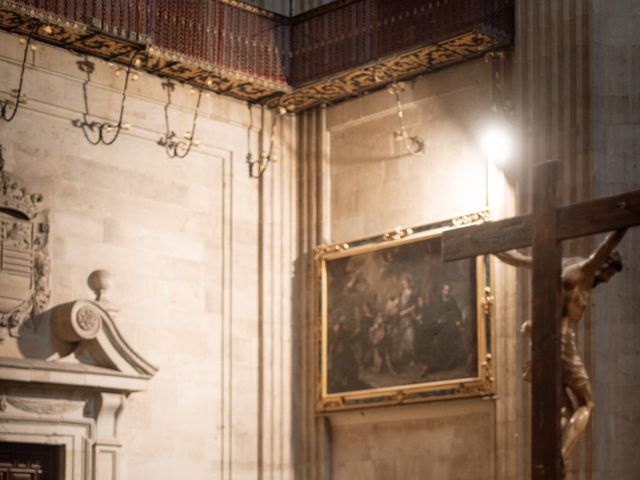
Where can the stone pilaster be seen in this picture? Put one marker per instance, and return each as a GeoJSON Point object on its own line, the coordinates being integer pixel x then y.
{"type": "Point", "coordinates": [311, 433]}
{"type": "Point", "coordinates": [615, 69]}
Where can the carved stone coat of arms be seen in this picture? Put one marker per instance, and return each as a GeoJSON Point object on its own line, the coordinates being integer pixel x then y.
{"type": "Point", "coordinates": [24, 260]}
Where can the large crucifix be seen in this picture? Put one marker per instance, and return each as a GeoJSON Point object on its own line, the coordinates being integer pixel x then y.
{"type": "Point", "coordinates": [543, 230]}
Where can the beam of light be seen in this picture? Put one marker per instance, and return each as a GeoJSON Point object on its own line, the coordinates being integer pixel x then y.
{"type": "Point", "coordinates": [497, 143]}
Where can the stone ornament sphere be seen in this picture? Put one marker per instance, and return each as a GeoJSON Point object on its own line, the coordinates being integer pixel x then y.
{"type": "Point", "coordinates": [100, 281]}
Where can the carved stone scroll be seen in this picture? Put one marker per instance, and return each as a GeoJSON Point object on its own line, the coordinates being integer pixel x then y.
{"type": "Point", "coordinates": [92, 328]}
{"type": "Point", "coordinates": [76, 321]}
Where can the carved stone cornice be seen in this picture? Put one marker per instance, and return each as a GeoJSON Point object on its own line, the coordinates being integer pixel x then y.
{"type": "Point", "coordinates": [88, 324]}
{"type": "Point", "coordinates": [35, 371]}
{"type": "Point", "coordinates": [108, 361]}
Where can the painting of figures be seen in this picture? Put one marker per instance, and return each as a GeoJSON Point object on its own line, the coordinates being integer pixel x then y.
{"type": "Point", "coordinates": [397, 319]}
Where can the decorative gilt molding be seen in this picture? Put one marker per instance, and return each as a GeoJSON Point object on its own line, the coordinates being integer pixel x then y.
{"type": "Point", "coordinates": [398, 233]}
{"type": "Point", "coordinates": [478, 382]}
{"type": "Point", "coordinates": [487, 373]}
{"type": "Point", "coordinates": [487, 381]}
{"type": "Point", "coordinates": [109, 43]}
{"type": "Point", "coordinates": [475, 217]}
{"type": "Point", "coordinates": [487, 301]}
{"type": "Point", "coordinates": [337, 403]}
{"type": "Point", "coordinates": [334, 248]}
{"type": "Point", "coordinates": [379, 74]}
{"type": "Point", "coordinates": [91, 40]}
{"type": "Point", "coordinates": [220, 79]}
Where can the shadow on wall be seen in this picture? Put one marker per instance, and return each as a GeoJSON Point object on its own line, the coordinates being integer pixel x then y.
{"type": "Point", "coordinates": [36, 339]}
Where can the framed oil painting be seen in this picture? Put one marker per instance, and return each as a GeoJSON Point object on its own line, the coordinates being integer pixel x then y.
{"type": "Point", "coordinates": [398, 325]}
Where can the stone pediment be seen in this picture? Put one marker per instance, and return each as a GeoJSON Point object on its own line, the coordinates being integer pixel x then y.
{"type": "Point", "coordinates": [66, 372]}
{"type": "Point", "coordinates": [100, 357]}
{"type": "Point", "coordinates": [92, 352]}
{"type": "Point", "coordinates": [81, 391]}
{"type": "Point", "coordinates": [86, 322]}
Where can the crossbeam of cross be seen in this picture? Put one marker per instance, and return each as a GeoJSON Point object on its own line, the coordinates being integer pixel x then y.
{"type": "Point", "coordinates": [543, 230]}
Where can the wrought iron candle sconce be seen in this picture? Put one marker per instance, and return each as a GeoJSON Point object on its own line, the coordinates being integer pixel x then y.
{"type": "Point", "coordinates": [9, 107]}
{"type": "Point", "coordinates": [173, 145]}
{"type": "Point", "coordinates": [104, 132]}
{"type": "Point", "coordinates": [259, 166]}
{"type": "Point", "coordinates": [412, 143]}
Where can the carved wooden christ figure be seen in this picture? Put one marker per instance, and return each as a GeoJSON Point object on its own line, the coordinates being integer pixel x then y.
{"type": "Point", "coordinates": [560, 294]}
{"type": "Point", "coordinates": [579, 277]}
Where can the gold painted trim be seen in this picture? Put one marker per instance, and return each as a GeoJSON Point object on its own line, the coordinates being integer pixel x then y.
{"type": "Point", "coordinates": [254, 88]}
{"type": "Point", "coordinates": [401, 232]}
{"type": "Point", "coordinates": [379, 73]}
{"type": "Point", "coordinates": [483, 215]}
{"type": "Point", "coordinates": [217, 70]}
{"type": "Point", "coordinates": [325, 249]}
{"type": "Point", "coordinates": [398, 233]}
{"type": "Point", "coordinates": [482, 385]}
{"type": "Point", "coordinates": [114, 48]}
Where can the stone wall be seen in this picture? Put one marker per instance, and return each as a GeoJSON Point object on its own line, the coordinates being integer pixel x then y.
{"type": "Point", "coordinates": [575, 78]}
{"type": "Point", "coordinates": [393, 187]}
{"type": "Point", "coordinates": [552, 101]}
{"type": "Point", "coordinates": [615, 70]}
{"type": "Point", "coordinates": [362, 182]}
{"type": "Point", "coordinates": [203, 257]}
{"type": "Point", "coordinates": [202, 268]}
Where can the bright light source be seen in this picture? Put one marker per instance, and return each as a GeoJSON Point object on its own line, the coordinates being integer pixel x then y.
{"type": "Point", "coordinates": [496, 143]}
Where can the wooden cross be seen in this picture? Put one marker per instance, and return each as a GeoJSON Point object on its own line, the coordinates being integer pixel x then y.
{"type": "Point", "coordinates": [544, 229]}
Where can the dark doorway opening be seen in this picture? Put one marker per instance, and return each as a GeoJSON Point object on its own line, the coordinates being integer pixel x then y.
{"type": "Point", "coordinates": [29, 461]}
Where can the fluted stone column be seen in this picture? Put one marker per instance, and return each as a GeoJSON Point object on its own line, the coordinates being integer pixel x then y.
{"type": "Point", "coordinates": [553, 102]}
{"type": "Point", "coordinates": [311, 433]}
{"type": "Point", "coordinates": [575, 75]}
{"type": "Point", "coordinates": [615, 70]}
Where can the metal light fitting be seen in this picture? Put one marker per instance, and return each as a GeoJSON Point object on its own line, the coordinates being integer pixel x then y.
{"type": "Point", "coordinates": [173, 145]}
{"type": "Point", "coordinates": [9, 107]}
{"type": "Point", "coordinates": [103, 132]}
{"type": "Point", "coordinates": [259, 166]}
{"type": "Point", "coordinates": [412, 143]}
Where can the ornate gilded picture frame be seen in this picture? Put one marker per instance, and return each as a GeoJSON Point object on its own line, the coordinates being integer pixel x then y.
{"type": "Point", "coordinates": [398, 325]}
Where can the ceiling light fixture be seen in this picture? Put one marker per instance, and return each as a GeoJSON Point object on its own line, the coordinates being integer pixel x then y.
{"type": "Point", "coordinates": [103, 132]}
{"type": "Point", "coordinates": [9, 107]}
{"type": "Point", "coordinates": [173, 145]}
{"type": "Point", "coordinates": [259, 166]}
{"type": "Point", "coordinates": [412, 143]}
